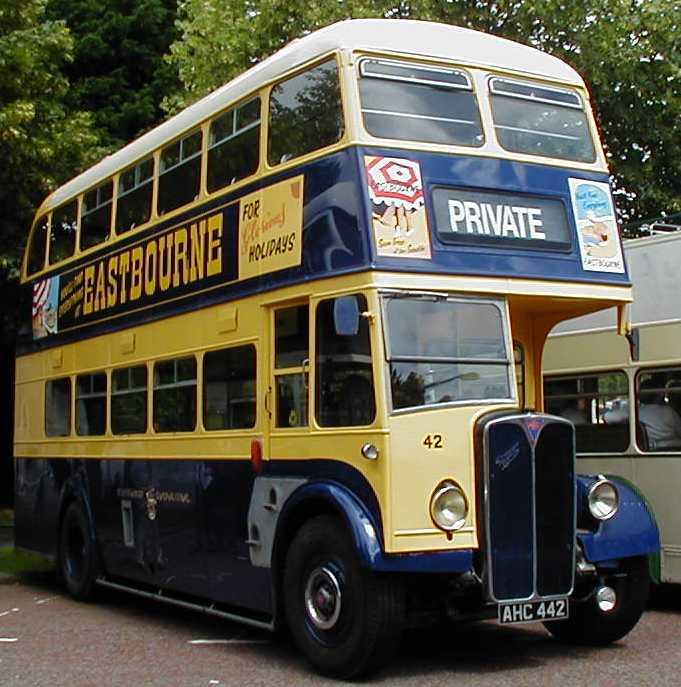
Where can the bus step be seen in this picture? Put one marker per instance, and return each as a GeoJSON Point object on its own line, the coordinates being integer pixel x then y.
{"type": "Point", "coordinates": [208, 609]}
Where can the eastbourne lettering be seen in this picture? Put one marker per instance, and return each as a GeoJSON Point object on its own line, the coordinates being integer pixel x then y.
{"type": "Point", "coordinates": [178, 258]}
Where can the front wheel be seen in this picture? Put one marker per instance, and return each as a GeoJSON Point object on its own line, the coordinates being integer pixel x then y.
{"type": "Point", "coordinates": [77, 554]}
{"type": "Point", "coordinates": [345, 619]}
{"type": "Point", "coordinates": [592, 624]}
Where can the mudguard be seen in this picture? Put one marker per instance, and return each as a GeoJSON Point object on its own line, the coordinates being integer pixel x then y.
{"type": "Point", "coordinates": [632, 531]}
{"type": "Point", "coordinates": [75, 489]}
{"type": "Point", "coordinates": [367, 536]}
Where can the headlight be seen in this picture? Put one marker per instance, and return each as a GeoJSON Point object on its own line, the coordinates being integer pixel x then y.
{"type": "Point", "coordinates": [603, 499]}
{"type": "Point", "coordinates": [448, 507]}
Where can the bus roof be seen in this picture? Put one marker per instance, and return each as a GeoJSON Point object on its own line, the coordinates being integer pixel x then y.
{"type": "Point", "coordinates": [416, 38]}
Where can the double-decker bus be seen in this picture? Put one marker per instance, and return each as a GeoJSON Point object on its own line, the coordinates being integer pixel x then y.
{"type": "Point", "coordinates": [284, 361]}
{"type": "Point", "coordinates": [625, 397]}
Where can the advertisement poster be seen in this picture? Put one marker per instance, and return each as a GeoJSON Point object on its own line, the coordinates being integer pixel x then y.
{"type": "Point", "coordinates": [597, 233]}
{"type": "Point", "coordinates": [270, 228]}
{"type": "Point", "coordinates": [398, 211]}
{"type": "Point", "coordinates": [45, 307]}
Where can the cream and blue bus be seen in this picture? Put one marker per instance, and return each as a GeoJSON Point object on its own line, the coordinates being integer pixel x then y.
{"type": "Point", "coordinates": [283, 360]}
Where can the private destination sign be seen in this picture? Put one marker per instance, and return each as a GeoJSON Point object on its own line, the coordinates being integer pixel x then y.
{"type": "Point", "coordinates": [476, 217]}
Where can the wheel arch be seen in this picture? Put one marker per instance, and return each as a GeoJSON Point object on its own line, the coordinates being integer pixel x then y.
{"type": "Point", "coordinates": [323, 498]}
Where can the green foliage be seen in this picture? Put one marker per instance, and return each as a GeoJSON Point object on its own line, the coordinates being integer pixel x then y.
{"type": "Point", "coordinates": [43, 140]}
{"type": "Point", "coordinates": [628, 51]}
{"type": "Point", "coordinates": [118, 72]}
{"type": "Point", "coordinates": [13, 562]}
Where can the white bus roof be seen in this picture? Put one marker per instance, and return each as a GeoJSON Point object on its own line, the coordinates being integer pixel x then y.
{"type": "Point", "coordinates": [653, 264]}
{"type": "Point", "coordinates": [408, 37]}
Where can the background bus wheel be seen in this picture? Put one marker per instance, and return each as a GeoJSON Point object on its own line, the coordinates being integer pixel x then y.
{"type": "Point", "coordinates": [77, 555]}
{"type": "Point", "coordinates": [589, 625]}
{"type": "Point", "coordinates": [344, 618]}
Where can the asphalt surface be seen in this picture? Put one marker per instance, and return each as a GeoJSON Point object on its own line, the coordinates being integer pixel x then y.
{"type": "Point", "coordinates": [47, 639]}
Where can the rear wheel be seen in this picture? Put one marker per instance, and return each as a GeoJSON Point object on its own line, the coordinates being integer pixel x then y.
{"type": "Point", "coordinates": [77, 554]}
{"type": "Point", "coordinates": [345, 619]}
{"type": "Point", "coordinates": [594, 624]}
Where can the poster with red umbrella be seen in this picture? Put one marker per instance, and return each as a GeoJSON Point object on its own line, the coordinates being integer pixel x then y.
{"type": "Point", "coordinates": [398, 210]}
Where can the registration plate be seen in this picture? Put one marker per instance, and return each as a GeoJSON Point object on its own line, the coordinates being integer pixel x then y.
{"type": "Point", "coordinates": [532, 611]}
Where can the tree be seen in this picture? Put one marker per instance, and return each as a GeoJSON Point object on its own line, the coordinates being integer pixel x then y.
{"type": "Point", "coordinates": [43, 140]}
{"type": "Point", "coordinates": [118, 72]}
{"type": "Point", "coordinates": [627, 50]}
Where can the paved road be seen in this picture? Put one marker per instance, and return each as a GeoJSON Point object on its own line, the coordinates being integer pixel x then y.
{"type": "Point", "coordinates": [46, 639]}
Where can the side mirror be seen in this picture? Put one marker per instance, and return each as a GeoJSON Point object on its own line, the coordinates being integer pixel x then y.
{"type": "Point", "coordinates": [346, 316]}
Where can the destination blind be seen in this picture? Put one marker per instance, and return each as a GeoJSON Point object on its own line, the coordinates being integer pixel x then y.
{"type": "Point", "coordinates": [504, 219]}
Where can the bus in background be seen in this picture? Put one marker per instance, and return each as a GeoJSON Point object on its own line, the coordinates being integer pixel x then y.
{"type": "Point", "coordinates": [625, 398]}
{"type": "Point", "coordinates": [284, 345]}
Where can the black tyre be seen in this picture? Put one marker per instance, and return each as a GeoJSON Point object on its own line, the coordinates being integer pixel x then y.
{"type": "Point", "coordinates": [78, 565]}
{"type": "Point", "coordinates": [590, 626]}
{"type": "Point", "coordinates": [345, 619]}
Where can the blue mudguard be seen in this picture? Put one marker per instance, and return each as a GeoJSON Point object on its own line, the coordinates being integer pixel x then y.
{"type": "Point", "coordinates": [366, 533]}
{"type": "Point", "coordinates": [632, 531]}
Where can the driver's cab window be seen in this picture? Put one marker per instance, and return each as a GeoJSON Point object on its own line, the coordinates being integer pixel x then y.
{"type": "Point", "coordinates": [344, 387]}
{"type": "Point", "coordinates": [291, 365]}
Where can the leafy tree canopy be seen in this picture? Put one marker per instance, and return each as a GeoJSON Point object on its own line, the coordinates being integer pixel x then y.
{"type": "Point", "coordinates": [118, 72]}
{"type": "Point", "coordinates": [43, 140]}
{"type": "Point", "coordinates": [629, 51]}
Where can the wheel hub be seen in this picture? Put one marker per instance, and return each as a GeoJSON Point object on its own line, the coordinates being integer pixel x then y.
{"type": "Point", "coordinates": [323, 598]}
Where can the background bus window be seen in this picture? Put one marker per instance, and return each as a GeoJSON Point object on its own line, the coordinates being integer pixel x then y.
{"type": "Point", "coordinates": [91, 404]}
{"type": "Point", "coordinates": [180, 173]}
{"type": "Point", "coordinates": [175, 395]}
{"type": "Point", "coordinates": [234, 145]}
{"type": "Point", "coordinates": [305, 113]}
{"type": "Point", "coordinates": [229, 388]}
{"type": "Point", "coordinates": [344, 378]}
{"type": "Point", "coordinates": [135, 187]}
{"type": "Point", "coordinates": [58, 407]}
{"type": "Point", "coordinates": [419, 103]}
{"type": "Point", "coordinates": [63, 232]}
{"type": "Point", "coordinates": [538, 120]}
{"type": "Point", "coordinates": [129, 400]}
{"type": "Point", "coordinates": [598, 406]}
{"type": "Point", "coordinates": [659, 408]}
{"type": "Point", "coordinates": [291, 361]}
{"type": "Point", "coordinates": [95, 220]}
{"type": "Point", "coordinates": [36, 253]}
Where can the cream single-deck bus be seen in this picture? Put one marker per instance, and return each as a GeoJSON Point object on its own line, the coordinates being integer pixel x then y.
{"type": "Point", "coordinates": [627, 396]}
{"type": "Point", "coordinates": [284, 361]}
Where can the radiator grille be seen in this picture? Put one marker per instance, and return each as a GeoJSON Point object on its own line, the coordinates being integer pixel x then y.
{"type": "Point", "coordinates": [530, 506]}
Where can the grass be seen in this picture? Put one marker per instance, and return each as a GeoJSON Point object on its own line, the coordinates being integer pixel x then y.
{"type": "Point", "coordinates": [13, 562]}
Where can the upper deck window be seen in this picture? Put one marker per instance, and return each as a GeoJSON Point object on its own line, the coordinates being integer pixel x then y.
{"type": "Point", "coordinates": [539, 120]}
{"type": "Point", "coordinates": [95, 221]}
{"type": "Point", "coordinates": [36, 251]}
{"type": "Point", "coordinates": [180, 174]}
{"type": "Point", "coordinates": [444, 350]}
{"type": "Point", "coordinates": [63, 232]}
{"type": "Point", "coordinates": [305, 113]}
{"type": "Point", "coordinates": [414, 102]}
{"type": "Point", "coordinates": [234, 145]}
{"type": "Point", "coordinates": [135, 187]}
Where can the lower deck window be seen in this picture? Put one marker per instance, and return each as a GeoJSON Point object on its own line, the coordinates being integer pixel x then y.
{"type": "Point", "coordinates": [175, 395]}
{"type": "Point", "coordinates": [129, 400]}
{"type": "Point", "coordinates": [91, 404]}
{"type": "Point", "coordinates": [58, 407]}
{"type": "Point", "coordinates": [229, 388]}
{"type": "Point", "coordinates": [659, 409]}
